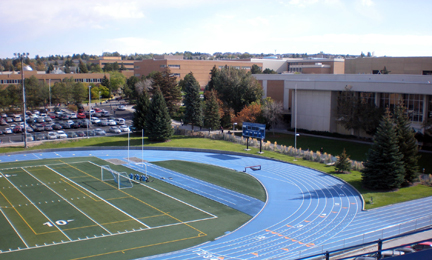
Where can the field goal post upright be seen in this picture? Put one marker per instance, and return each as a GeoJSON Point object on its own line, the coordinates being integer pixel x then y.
{"type": "Point", "coordinates": [253, 130]}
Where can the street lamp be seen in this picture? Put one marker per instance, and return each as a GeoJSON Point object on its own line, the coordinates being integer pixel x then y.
{"type": "Point", "coordinates": [88, 124]}
{"type": "Point", "coordinates": [22, 56]}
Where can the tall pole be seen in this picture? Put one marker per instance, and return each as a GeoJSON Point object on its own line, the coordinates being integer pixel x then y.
{"type": "Point", "coordinates": [88, 125]}
{"type": "Point", "coordinates": [22, 56]}
{"type": "Point", "coordinates": [295, 118]}
{"type": "Point", "coordinates": [49, 84]}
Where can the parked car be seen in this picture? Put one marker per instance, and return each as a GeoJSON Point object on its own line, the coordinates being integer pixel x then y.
{"type": "Point", "coordinates": [29, 137]}
{"type": "Point", "coordinates": [40, 136]}
{"type": "Point", "coordinates": [17, 118]}
{"type": "Point", "coordinates": [57, 127]}
{"type": "Point", "coordinates": [80, 133]}
{"type": "Point", "coordinates": [105, 113]}
{"type": "Point", "coordinates": [71, 134]}
{"type": "Point", "coordinates": [95, 120]}
{"type": "Point", "coordinates": [8, 130]}
{"type": "Point", "coordinates": [112, 122]}
{"type": "Point", "coordinates": [115, 130]}
{"type": "Point", "coordinates": [61, 134]}
{"type": "Point", "coordinates": [90, 133]}
{"type": "Point", "coordinates": [103, 122]}
{"type": "Point", "coordinates": [422, 246]}
{"type": "Point", "coordinates": [124, 128]}
{"type": "Point", "coordinates": [39, 128]}
{"type": "Point", "coordinates": [99, 131]}
{"type": "Point", "coordinates": [121, 108]}
{"type": "Point", "coordinates": [72, 115]}
{"type": "Point", "coordinates": [81, 115]}
{"type": "Point", "coordinates": [48, 127]}
{"type": "Point", "coordinates": [52, 135]}
{"type": "Point", "coordinates": [65, 116]}
{"type": "Point", "coordinates": [3, 121]}
{"type": "Point", "coordinates": [48, 119]}
{"type": "Point", "coordinates": [17, 129]}
{"type": "Point", "coordinates": [120, 121]}
{"type": "Point", "coordinates": [9, 119]}
{"type": "Point", "coordinates": [29, 129]}
{"type": "Point", "coordinates": [65, 125]}
{"type": "Point", "coordinates": [3, 115]}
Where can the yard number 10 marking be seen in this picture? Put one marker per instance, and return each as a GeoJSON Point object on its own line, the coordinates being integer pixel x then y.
{"type": "Point", "coordinates": [60, 222]}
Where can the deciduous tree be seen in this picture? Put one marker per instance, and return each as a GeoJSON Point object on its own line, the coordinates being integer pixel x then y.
{"type": "Point", "coordinates": [167, 83]}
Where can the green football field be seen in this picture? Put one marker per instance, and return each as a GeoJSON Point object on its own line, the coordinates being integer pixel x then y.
{"type": "Point", "coordinates": [61, 209]}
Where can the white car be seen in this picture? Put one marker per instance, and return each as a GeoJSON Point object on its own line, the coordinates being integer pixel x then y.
{"type": "Point", "coordinates": [95, 120]}
{"type": "Point", "coordinates": [61, 134]}
{"type": "Point", "coordinates": [124, 128]}
{"type": "Point", "coordinates": [8, 130]}
{"type": "Point", "coordinates": [120, 121]}
{"type": "Point", "coordinates": [52, 135]}
{"type": "Point", "coordinates": [115, 130]}
{"type": "Point", "coordinates": [17, 118]}
{"type": "Point", "coordinates": [112, 122]}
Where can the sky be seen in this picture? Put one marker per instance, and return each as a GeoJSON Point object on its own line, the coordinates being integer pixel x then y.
{"type": "Point", "coordinates": [51, 27]}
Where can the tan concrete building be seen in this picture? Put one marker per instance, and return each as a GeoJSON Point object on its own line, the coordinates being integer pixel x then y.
{"type": "Point", "coordinates": [180, 68]}
{"type": "Point", "coordinates": [317, 96]}
{"type": "Point", "coordinates": [128, 64]}
{"type": "Point", "coordinates": [7, 78]}
{"type": "Point", "coordinates": [396, 65]}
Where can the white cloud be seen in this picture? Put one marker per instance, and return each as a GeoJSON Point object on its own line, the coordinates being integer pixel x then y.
{"type": "Point", "coordinates": [367, 2]}
{"type": "Point", "coordinates": [129, 45]}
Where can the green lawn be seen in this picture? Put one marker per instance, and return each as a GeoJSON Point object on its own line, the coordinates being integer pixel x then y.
{"type": "Point", "coordinates": [330, 146]}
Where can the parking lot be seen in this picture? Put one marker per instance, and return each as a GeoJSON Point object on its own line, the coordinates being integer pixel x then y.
{"type": "Point", "coordinates": [46, 130]}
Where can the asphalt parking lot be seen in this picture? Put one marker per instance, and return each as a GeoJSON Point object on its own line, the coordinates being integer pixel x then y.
{"type": "Point", "coordinates": [111, 107]}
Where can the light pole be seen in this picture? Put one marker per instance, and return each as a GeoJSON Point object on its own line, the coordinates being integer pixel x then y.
{"type": "Point", "coordinates": [22, 56]}
{"type": "Point", "coordinates": [88, 125]}
{"type": "Point", "coordinates": [295, 118]}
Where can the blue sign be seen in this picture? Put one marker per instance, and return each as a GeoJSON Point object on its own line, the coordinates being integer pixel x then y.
{"type": "Point", "coordinates": [254, 130]}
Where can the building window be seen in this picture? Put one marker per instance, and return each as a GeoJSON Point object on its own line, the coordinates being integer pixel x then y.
{"type": "Point", "coordinates": [221, 67]}
{"type": "Point", "coordinates": [174, 66]}
{"type": "Point", "coordinates": [162, 66]}
{"type": "Point", "coordinates": [412, 102]}
{"type": "Point", "coordinates": [246, 67]}
{"type": "Point", "coordinates": [176, 74]}
{"type": "Point", "coordinates": [235, 67]}
{"type": "Point", "coordinates": [136, 67]}
{"type": "Point", "coordinates": [427, 72]}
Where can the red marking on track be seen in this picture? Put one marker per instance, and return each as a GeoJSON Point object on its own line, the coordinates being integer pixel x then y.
{"type": "Point", "coordinates": [307, 221]}
{"type": "Point", "coordinates": [273, 232]}
{"type": "Point", "coordinates": [286, 249]}
{"type": "Point", "coordinates": [255, 254]}
{"type": "Point", "coordinates": [221, 257]}
{"type": "Point", "coordinates": [293, 240]}
{"type": "Point", "coordinates": [334, 211]}
{"type": "Point", "coordinates": [280, 235]}
{"type": "Point", "coordinates": [287, 238]}
{"type": "Point", "coordinates": [322, 217]}
{"type": "Point", "coordinates": [352, 203]}
{"type": "Point", "coordinates": [344, 207]}
{"type": "Point", "coordinates": [288, 225]}
{"type": "Point", "coordinates": [300, 243]}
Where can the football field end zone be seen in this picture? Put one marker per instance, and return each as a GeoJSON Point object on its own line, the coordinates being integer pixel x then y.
{"type": "Point", "coordinates": [164, 225]}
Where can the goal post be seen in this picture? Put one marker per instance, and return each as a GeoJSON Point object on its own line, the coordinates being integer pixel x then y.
{"type": "Point", "coordinates": [121, 179]}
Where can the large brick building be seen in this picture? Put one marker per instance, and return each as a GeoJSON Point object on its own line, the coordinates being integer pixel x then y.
{"type": "Point", "coordinates": [180, 67]}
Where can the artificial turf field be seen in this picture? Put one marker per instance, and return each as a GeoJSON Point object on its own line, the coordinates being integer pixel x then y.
{"type": "Point", "coordinates": [61, 209]}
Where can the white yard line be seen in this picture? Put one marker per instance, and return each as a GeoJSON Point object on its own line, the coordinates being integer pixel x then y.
{"type": "Point", "coordinates": [67, 202]}
{"type": "Point", "coordinates": [53, 222]}
{"type": "Point", "coordinates": [127, 214]}
{"type": "Point", "coordinates": [16, 231]}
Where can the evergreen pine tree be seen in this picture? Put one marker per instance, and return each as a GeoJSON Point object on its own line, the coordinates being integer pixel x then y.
{"type": "Point", "coordinates": [158, 121]}
{"type": "Point", "coordinates": [407, 144]}
{"type": "Point", "coordinates": [343, 164]}
{"type": "Point", "coordinates": [192, 101]}
{"type": "Point", "coordinates": [82, 67]}
{"type": "Point", "coordinates": [384, 168]}
{"type": "Point", "coordinates": [211, 113]}
{"type": "Point", "coordinates": [141, 109]}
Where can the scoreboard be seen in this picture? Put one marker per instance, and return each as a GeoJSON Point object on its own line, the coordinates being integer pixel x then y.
{"type": "Point", "coordinates": [254, 130]}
